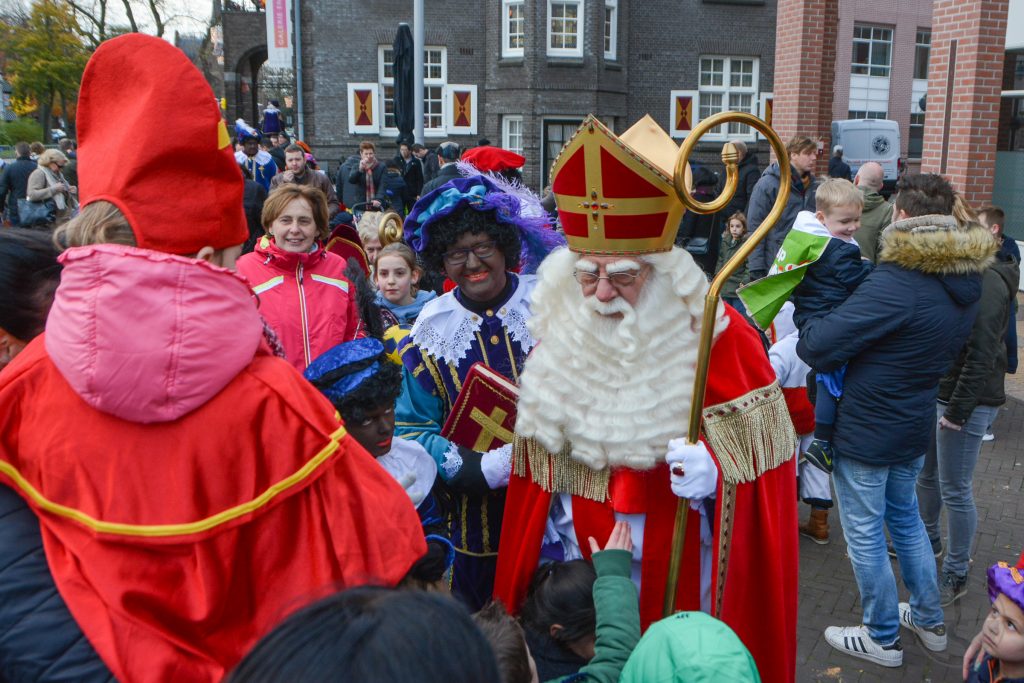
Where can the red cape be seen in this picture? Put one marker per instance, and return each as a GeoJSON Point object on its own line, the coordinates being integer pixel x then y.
{"type": "Point", "coordinates": [178, 545]}
{"type": "Point", "coordinates": [760, 598]}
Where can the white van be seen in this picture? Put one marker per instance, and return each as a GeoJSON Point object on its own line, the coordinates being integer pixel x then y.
{"type": "Point", "coordinates": [866, 140]}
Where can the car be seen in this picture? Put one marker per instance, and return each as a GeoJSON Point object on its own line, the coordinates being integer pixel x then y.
{"type": "Point", "coordinates": [865, 140]}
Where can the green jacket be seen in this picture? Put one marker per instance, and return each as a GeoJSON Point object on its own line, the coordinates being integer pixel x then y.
{"type": "Point", "coordinates": [976, 377]}
{"type": "Point", "coordinates": [690, 647]}
{"type": "Point", "coordinates": [729, 248]}
{"type": "Point", "coordinates": [876, 215]}
{"type": "Point", "coordinates": [617, 605]}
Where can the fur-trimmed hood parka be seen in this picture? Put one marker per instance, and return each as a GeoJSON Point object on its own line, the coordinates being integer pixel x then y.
{"type": "Point", "coordinates": [899, 333]}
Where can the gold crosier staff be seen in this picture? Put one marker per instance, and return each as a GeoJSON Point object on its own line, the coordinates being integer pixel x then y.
{"type": "Point", "coordinates": [729, 158]}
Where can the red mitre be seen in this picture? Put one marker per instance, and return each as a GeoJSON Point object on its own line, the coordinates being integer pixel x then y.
{"type": "Point", "coordinates": [488, 159]}
{"type": "Point", "coordinates": [615, 194]}
{"type": "Point", "coordinates": [126, 158]}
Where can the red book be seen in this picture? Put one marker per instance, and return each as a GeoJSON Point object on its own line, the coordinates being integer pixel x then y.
{"type": "Point", "coordinates": [484, 414]}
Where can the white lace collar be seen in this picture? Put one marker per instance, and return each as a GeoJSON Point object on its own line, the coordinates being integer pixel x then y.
{"type": "Point", "coordinates": [411, 466]}
{"type": "Point", "coordinates": [445, 328]}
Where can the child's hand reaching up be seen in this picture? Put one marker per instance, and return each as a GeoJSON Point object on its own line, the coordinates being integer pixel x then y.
{"type": "Point", "coordinates": [621, 538]}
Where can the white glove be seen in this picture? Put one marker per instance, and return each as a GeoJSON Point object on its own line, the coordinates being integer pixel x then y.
{"type": "Point", "coordinates": [496, 466]}
{"type": "Point", "coordinates": [692, 470]}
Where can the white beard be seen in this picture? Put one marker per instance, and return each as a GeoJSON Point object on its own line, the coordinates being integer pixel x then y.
{"type": "Point", "coordinates": [617, 389]}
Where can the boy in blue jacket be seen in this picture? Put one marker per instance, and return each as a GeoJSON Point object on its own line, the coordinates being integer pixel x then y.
{"type": "Point", "coordinates": [827, 283]}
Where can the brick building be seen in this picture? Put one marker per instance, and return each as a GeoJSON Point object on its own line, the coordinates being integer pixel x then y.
{"type": "Point", "coordinates": [524, 73]}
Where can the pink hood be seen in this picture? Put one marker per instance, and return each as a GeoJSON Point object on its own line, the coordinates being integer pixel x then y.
{"type": "Point", "coordinates": [147, 336]}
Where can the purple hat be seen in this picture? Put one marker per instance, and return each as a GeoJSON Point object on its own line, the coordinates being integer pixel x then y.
{"type": "Point", "coordinates": [480, 193]}
{"type": "Point", "coordinates": [1002, 578]}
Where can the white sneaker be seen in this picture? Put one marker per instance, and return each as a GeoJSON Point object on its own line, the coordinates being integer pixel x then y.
{"type": "Point", "coordinates": [933, 638]}
{"type": "Point", "coordinates": [855, 641]}
{"type": "Point", "coordinates": [989, 436]}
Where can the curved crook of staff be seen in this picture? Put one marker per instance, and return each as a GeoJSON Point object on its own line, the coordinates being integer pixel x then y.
{"type": "Point", "coordinates": [730, 159]}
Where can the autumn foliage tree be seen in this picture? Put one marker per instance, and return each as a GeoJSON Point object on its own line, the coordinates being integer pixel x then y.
{"type": "Point", "coordinates": [45, 57]}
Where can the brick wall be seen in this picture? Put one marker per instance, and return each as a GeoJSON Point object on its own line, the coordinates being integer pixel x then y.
{"type": "Point", "coordinates": [805, 58]}
{"type": "Point", "coordinates": [964, 85]}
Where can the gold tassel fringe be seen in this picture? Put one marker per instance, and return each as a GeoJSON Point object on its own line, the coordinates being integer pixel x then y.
{"type": "Point", "coordinates": [558, 473]}
{"type": "Point", "coordinates": [750, 435]}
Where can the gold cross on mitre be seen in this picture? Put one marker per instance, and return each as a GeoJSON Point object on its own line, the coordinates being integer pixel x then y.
{"type": "Point", "coordinates": [491, 428]}
{"type": "Point", "coordinates": [615, 194]}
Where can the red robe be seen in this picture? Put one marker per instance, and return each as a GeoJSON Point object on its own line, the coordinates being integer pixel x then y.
{"type": "Point", "coordinates": [760, 595]}
{"type": "Point", "coordinates": [177, 545]}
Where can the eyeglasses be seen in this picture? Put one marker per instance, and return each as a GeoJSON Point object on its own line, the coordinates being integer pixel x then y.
{"type": "Point", "coordinates": [457, 257]}
{"type": "Point", "coordinates": [622, 279]}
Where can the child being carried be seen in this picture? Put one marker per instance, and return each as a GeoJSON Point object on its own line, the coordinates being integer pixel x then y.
{"type": "Point", "coordinates": [827, 283]}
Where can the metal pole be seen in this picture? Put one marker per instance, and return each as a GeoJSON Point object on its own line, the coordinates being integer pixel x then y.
{"type": "Point", "coordinates": [300, 126]}
{"type": "Point", "coordinates": [417, 69]}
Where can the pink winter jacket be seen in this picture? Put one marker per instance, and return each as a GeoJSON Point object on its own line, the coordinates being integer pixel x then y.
{"type": "Point", "coordinates": [305, 298]}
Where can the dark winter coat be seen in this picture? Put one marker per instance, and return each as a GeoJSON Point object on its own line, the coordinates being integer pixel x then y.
{"type": "Point", "coordinates": [977, 376]}
{"type": "Point", "coordinates": [412, 174]}
{"type": "Point", "coordinates": [727, 251]}
{"type": "Point", "coordinates": [40, 641]}
{"type": "Point", "coordinates": [749, 172]}
{"type": "Point", "coordinates": [353, 192]}
{"type": "Point", "coordinates": [14, 185]}
{"type": "Point", "coordinates": [837, 168]}
{"type": "Point", "coordinates": [877, 214]}
{"type": "Point", "coordinates": [357, 179]}
{"type": "Point", "coordinates": [253, 196]}
{"type": "Point", "coordinates": [394, 189]}
{"type": "Point", "coordinates": [448, 172]}
{"type": "Point", "coordinates": [801, 198]}
{"type": "Point", "coordinates": [829, 281]}
{"type": "Point", "coordinates": [430, 167]}
{"type": "Point", "coordinates": [900, 332]}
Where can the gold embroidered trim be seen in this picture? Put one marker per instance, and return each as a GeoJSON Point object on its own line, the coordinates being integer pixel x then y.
{"type": "Point", "coordinates": [558, 473]}
{"type": "Point", "coordinates": [750, 435]}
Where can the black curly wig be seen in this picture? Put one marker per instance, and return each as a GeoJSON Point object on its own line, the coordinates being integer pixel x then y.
{"type": "Point", "coordinates": [444, 232]}
{"type": "Point", "coordinates": [381, 389]}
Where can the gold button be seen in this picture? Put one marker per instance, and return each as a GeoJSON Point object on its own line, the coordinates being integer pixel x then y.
{"type": "Point", "coordinates": [494, 339]}
{"type": "Point", "coordinates": [490, 313]}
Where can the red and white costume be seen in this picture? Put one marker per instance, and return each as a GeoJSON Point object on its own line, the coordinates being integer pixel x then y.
{"type": "Point", "coordinates": [601, 399]}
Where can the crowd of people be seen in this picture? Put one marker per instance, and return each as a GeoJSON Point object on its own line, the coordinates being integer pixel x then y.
{"type": "Point", "coordinates": [415, 422]}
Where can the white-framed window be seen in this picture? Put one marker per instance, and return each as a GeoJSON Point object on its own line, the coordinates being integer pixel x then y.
{"type": "Point", "coordinates": [872, 50]}
{"type": "Point", "coordinates": [565, 28]}
{"type": "Point", "coordinates": [727, 84]}
{"type": "Point", "coordinates": [513, 28]}
{"type": "Point", "coordinates": [611, 28]}
{"type": "Point", "coordinates": [922, 53]}
{"type": "Point", "coordinates": [512, 133]}
{"type": "Point", "coordinates": [435, 78]}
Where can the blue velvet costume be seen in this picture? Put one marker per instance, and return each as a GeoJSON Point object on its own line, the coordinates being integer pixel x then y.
{"type": "Point", "coordinates": [450, 335]}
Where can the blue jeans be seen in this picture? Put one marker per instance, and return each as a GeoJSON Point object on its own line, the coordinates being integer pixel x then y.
{"type": "Point", "coordinates": [948, 478]}
{"type": "Point", "coordinates": [868, 495]}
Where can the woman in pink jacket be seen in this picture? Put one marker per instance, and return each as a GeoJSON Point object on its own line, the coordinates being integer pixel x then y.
{"type": "Point", "coordinates": [303, 292]}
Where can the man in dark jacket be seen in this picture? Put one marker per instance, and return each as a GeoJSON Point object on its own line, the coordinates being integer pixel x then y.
{"type": "Point", "coordinates": [427, 161]}
{"type": "Point", "coordinates": [803, 154]}
{"type": "Point", "coordinates": [14, 182]}
{"type": "Point", "coordinates": [748, 174]}
{"type": "Point", "coordinates": [359, 179]}
{"type": "Point", "coordinates": [412, 172]}
{"type": "Point", "coordinates": [877, 211]}
{"type": "Point", "coordinates": [898, 332]}
{"type": "Point", "coordinates": [280, 142]}
{"type": "Point", "coordinates": [969, 398]}
{"type": "Point", "coordinates": [837, 168]}
{"type": "Point", "coordinates": [447, 154]}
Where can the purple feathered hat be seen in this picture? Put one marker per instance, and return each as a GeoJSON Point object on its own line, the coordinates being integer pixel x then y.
{"type": "Point", "coordinates": [482, 194]}
{"type": "Point", "coordinates": [1002, 578]}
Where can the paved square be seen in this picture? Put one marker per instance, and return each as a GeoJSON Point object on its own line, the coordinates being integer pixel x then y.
{"type": "Point", "coordinates": [828, 591]}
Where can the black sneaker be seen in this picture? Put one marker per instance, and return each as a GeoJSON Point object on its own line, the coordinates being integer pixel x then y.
{"type": "Point", "coordinates": [819, 454]}
{"type": "Point", "coordinates": [951, 588]}
{"type": "Point", "coordinates": [936, 548]}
